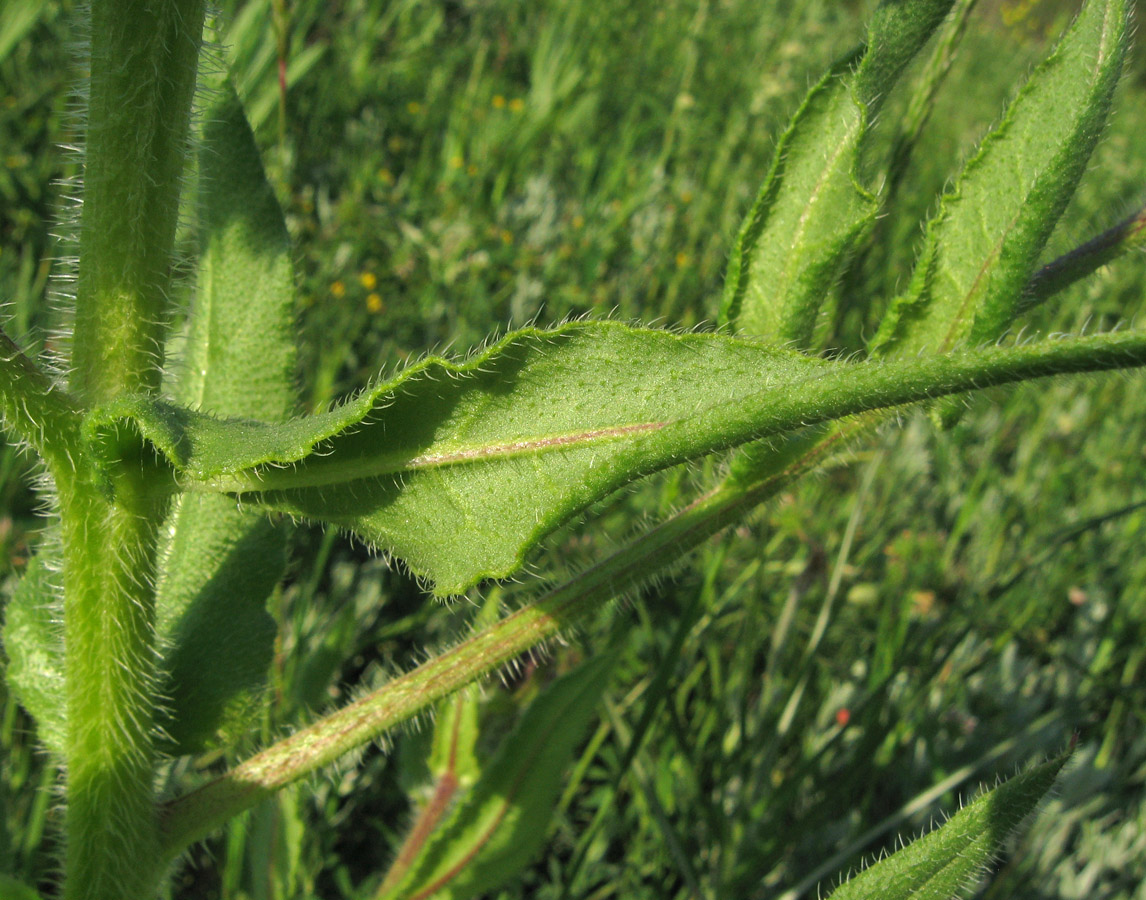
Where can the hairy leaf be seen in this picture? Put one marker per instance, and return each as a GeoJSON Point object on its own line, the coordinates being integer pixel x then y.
{"type": "Point", "coordinates": [983, 245]}
{"type": "Point", "coordinates": [34, 644]}
{"type": "Point", "coordinates": [949, 861]}
{"type": "Point", "coordinates": [461, 468]}
{"type": "Point", "coordinates": [501, 823]}
{"type": "Point", "coordinates": [217, 563]}
{"type": "Point", "coordinates": [812, 208]}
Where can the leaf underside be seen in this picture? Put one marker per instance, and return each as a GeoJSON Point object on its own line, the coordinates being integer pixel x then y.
{"type": "Point", "coordinates": [461, 468]}
{"type": "Point", "coordinates": [813, 207]}
{"type": "Point", "coordinates": [34, 644]}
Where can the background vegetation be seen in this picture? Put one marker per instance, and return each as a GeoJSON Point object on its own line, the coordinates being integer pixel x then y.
{"type": "Point", "coordinates": [936, 611]}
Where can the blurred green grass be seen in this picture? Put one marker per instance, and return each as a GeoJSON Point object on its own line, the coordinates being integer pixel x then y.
{"type": "Point", "coordinates": [935, 610]}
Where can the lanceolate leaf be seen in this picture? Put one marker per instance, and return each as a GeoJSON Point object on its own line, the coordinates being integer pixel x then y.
{"type": "Point", "coordinates": [454, 767]}
{"type": "Point", "coordinates": [460, 469]}
{"type": "Point", "coordinates": [217, 563]}
{"type": "Point", "coordinates": [812, 207]}
{"type": "Point", "coordinates": [983, 245]}
{"type": "Point", "coordinates": [949, 861]}
{"type": "Point", "coordinates": [501, 823]}
{"type": "Point", "coordinates": [240, 358]}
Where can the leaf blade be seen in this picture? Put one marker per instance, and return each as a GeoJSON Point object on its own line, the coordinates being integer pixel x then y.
{"type": "Point", "coordinates": [983, 245]}
{"type": "Point", "coordinates": [217, 563]}
{"type": "Point", "coordinates": [11, 889]}
{"type": "Point", "coordinates": [948, 861]}
{"type": "Point", "coordinates": [34, 645]}
{"type": "Point", "coordinates": [813, 207]}
{"type": "Point", "coordinates": [461, 469]}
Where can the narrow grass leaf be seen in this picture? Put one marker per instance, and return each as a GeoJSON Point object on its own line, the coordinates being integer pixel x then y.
{"type": "Point", "coordinates": [983, 245]}
{"type": "Point", "coordinates": [34, 645]}
{"type": "Point", "coordinates": [461, 468]}
{"type": "Point", "coordinates": [217, 563]}
{"type": "Point", "coordinates": [16, 21]}
{"type": "Point", "coordinates": [949, 861]}
{"type": "Point", "coordinates": [501, 823]}
{"type": "Point", "coordinates": [812, 208]}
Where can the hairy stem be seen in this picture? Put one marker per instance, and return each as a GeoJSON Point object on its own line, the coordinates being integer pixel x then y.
{"type": "Point", "coordinates": [109, 681]}
{"type": "Point", "coordinates": [1084, 260]}
{"type": "Point", "coordinates": [144, 55]}
{"type": "Point", "coordinates": [193, 816]}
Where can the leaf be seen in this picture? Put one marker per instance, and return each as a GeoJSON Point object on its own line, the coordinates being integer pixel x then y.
{"type": "Point", "coordinates": [240, 359]}
{"type": "Point", "coordinates": [34, 644]}
{"type": "Point", "coordinates": [501, 823]}
{"type": "Point", "coordinates": [11, 889]}
{"type": "Point", "coordinates": [218, 567]}
{"type": "Point", "coordinates": [983, 245]}
{"type": "Point", "coordinates": [812, 208]}
{"type": "Point", "coordinates": [950, 860]}
{"type": "Point", "coordinates": [461, 468]}
{"type": "Point", "coordinates": [453, 750]}
{"type": "Point", "coordinates": [217, 563]}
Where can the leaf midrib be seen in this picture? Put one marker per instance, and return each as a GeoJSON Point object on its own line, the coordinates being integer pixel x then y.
{"type": "Point", "coordinates": [272, 477]}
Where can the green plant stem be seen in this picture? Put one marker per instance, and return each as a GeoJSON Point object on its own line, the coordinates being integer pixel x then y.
{"type": "Point", "coordinates": [1084, 260]}
{"type": "Point", "coordinates": [144, 56]}
{"type": "Point", "coordinates": [196, 814]}
{"type": "Point", "coordinates": [109, 683]}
